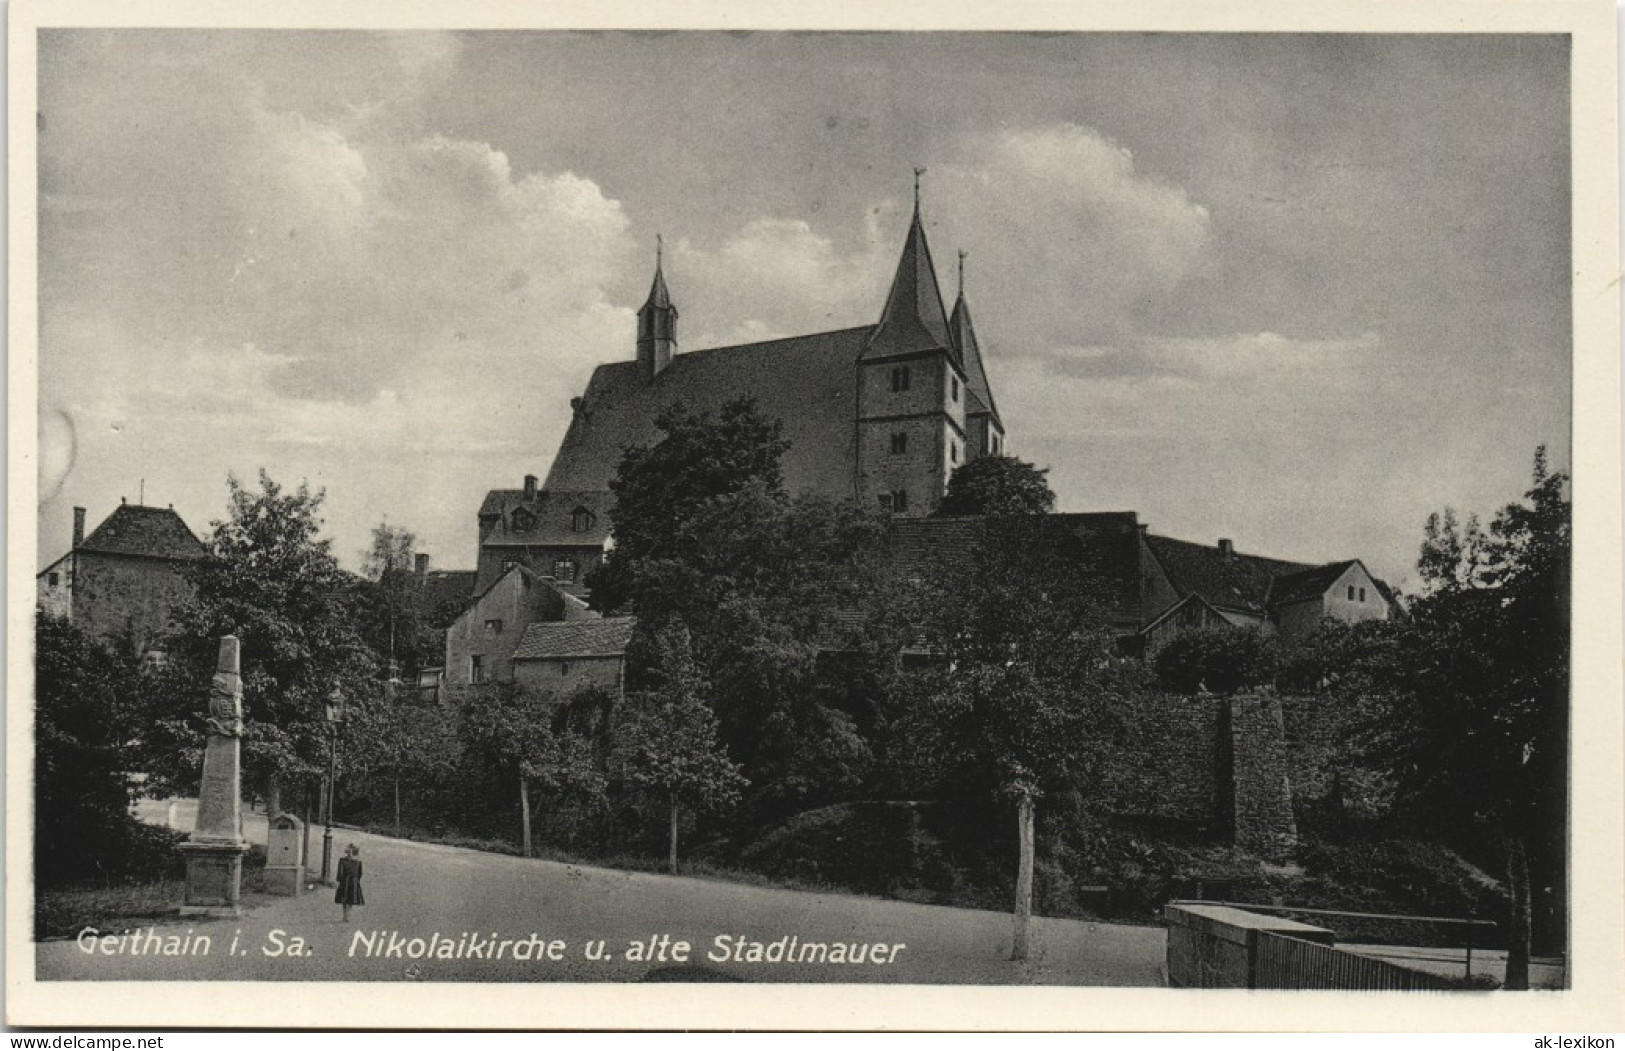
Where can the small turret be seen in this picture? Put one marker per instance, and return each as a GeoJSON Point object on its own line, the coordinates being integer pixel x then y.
{"type": "Point", "coordinates": [657, 324]}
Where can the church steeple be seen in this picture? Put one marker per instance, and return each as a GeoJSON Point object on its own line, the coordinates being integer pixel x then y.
{"type": "Point", "coordinates": [969, 353]}
{"type": "Point", "coordinates": [657, 323]}
{"type": "Point", "coordinates": [914, 317]}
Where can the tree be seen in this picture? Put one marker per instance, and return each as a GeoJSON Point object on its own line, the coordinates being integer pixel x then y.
{"type": "Point", "coordinates": [388, 563]}
{"type": "Point", "coordinates": [393, 616]}
{"type": "Point", "coordinates": [87, 701]}
{"type": "Point", "coordinates": [659, 488]}
{"type": "Point", "coordinates": [998, 485]}
{"type": "Point", "coordinates": [668, 746]}
{"type": "Point", "coordinates": [708, 540]}
{"type": "Point", "coordinates": [522, 737]}
{"type": "Point", "coordinates": [1028, 680]}
{"type": "Point", "coordinates": [1473, 722]}
{"type": "Point", "coordinates": [271, 580]}
{"type": "Point", "coordinates": [1216, 660]}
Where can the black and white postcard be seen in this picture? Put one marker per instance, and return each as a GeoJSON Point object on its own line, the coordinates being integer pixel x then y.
{"type": "Point", "coordinates": [559, 516]}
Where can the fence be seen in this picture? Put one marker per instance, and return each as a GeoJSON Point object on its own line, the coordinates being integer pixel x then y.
{"type": "Point", "coordinates": [1213, 946]}
{"type": "Point", "coordinates": [1283, 962]}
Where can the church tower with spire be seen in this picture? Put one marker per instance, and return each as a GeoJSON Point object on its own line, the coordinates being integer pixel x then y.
{"type": "Point", "coordinates": [657, 324]}
{"type": "Point", "coordinates": [913, 390]}
{"type": "Point", "coordinates": [984, 431]}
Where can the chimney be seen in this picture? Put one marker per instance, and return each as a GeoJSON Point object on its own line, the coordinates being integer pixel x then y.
{"type": "Point", "coordinates": [530, 487]}
{"type": "Point", "coordinates": [1227, 550]}
{"type": "Point", "coordinates": [422, 565]}
{"type": "Point", "coordinates": [78, 526]}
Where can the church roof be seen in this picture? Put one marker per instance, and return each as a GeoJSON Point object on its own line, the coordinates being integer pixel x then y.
{"type": "Point", "coordinates": [970, 359]}
{"type": "Point", "coordinates": [153, 532]}
{"type": "Point", "coordinates": [809, 383]}
{"type": "Point", "coordinates": [558, 640]}
{"type": "Point", "coordinates": [914, 317]}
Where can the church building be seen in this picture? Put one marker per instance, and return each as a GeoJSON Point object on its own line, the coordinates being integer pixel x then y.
{"type": "Point", "coordinates": [882, 413]}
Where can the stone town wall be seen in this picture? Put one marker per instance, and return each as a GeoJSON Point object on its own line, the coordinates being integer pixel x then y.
{"type": "Point", "coordinates": [1264, 820]}
{"type": "Point", "coordinates": [1169, 763]}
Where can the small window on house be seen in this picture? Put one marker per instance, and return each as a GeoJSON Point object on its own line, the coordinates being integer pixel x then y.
{"type": "Point", "coordinates": [476, 668]}
{"type": "Point", "coordinates": [899, 444]}
{"type": "Point", "coordinates": [953, 451]}
{"type": "Point", "coordinates": [956, 388]}
{"type": "Point", "coordinates": [494, 627]}
{"type": "Point", "coordinates": [581, 520]}
{"type": "Point", "coordinates": [1351, 593]}
{"type": "Point", "coordinates": [508, 564]}
{"type": "Point", "coordinates": [885, 501]}
{"type": "Point", "coordinates": [564, 569]}
{"type": "Point", "coordinates": [564, 667]}
{"type": "Point", "coordinates": [53, 579]}
{"type": "Point", "coordinates": [1362, 594]}
{"type": "Point", "coordinates": [899, 500]}
{"type": "Point", "coordinates": [899, 379]}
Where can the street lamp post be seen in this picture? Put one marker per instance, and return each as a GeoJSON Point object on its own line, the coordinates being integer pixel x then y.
{"type": "Point", "coordinates": [335, 721]}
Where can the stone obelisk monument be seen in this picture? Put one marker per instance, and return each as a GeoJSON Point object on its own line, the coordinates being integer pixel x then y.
{"type": "Point", "coordinates": [214, 851]}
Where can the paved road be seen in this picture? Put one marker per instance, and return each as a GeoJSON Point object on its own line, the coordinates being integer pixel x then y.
{"type": "Point", "coordinates": [468, 898]}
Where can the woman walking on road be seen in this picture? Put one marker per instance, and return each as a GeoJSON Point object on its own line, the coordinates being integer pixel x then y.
{"type": "Point", "coordinates": [349, 880]}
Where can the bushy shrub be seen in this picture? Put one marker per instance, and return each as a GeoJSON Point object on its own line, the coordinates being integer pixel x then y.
{"type": "Point", "coordinates": [1216, 660]}
{"type": "Point", "coordinates": [878, 848]}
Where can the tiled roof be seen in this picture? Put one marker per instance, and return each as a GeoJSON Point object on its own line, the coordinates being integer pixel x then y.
{"type": "Point", "coordinates": [809, 383]}
{"type": "Point", "coordinates": [1306, 584]}
{"type": "Point", "coordinates": [1235, 581]}
{"type": "Point", "coordinates": [551, 517]}
{"type": "Point", "coordinates": [156, 532]}
{"type": "Point", "coordinates": [914, 317]}
{"type": "Point", "coordinates": [556, 640]}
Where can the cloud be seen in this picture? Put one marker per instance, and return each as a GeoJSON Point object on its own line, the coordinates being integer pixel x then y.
{"type": "Point", "coordinates": [1265, 356]}
{"type": "Point", "coordinates": [781, 277]}
{"type": "Point", "coordinates": [1064, 234]}
{"type": "Point", "coordinates": [238, 279]}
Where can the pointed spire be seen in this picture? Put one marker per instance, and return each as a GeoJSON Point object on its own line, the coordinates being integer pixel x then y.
{"type": "Point", "coordinates": [657, 321]}
{"type": "Point", "coordinates": [970, 352]}
{"type": "Point", "coordinates": [659, 298]}
{"type": "Point", "coordinates": [914, 317]}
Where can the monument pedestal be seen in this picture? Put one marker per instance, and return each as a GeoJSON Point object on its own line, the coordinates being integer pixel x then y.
{"type": "Point", "coordinates": [214, 852]}
{"type": "Point", "coordinates": [214, 877]}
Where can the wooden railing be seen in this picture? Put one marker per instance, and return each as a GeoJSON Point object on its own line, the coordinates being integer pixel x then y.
{"type": "Point", "coordinates": [1282, 962]}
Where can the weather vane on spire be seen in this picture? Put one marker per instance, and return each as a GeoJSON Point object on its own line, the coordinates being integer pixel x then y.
{"type": "Point", "coordinates": [917, 173]}
{"type": "Point", "coordinates": [962, 255]}
{"type": "Point", "coordinates": [659, 248]}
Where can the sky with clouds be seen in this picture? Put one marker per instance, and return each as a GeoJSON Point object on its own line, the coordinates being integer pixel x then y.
{"type": "Point", "coordinates": [1294, 290]}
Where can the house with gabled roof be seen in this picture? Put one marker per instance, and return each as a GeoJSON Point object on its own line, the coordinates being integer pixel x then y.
{"type": "Point", "coordinates": [482, 643]}
{"type": "Point", "coordinates": [559, 658]}
{"type": "Point", "coordinates": [1190, 585]}
{"type": "Point", "coordinates": [557, 533]}
{"type": "Point", "coordinates": [126, 579]}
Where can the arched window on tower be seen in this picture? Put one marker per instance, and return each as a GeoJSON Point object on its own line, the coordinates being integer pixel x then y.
{"type": "Point", "coordinates": [899, 379]}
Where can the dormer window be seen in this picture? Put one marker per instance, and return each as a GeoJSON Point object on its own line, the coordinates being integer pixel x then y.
{"type": "Point", "coordinates": [582, 520]}
{"type": "Point", "coordinates": [523, 521]}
